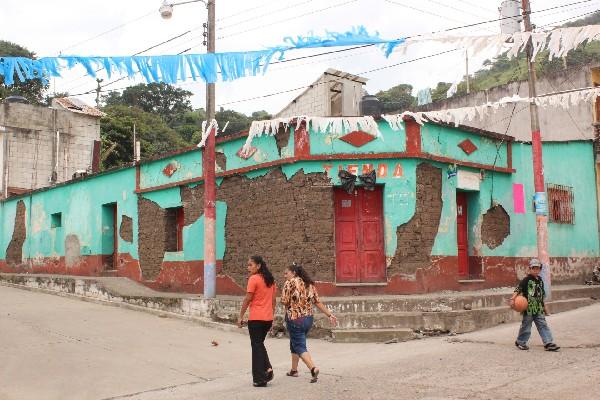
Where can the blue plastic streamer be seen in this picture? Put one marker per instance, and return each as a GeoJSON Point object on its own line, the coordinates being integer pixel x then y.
{"type": "Point", "coordinates": [173, 68]}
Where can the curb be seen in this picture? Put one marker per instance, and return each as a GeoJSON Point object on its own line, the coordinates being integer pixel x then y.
{"type": "Point", "coordinates": [200, 321]}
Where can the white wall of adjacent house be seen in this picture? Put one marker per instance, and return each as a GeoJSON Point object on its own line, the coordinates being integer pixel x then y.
{"type": "Point", "coordinates": [330, 96]}
{"type": "Point", "coordinates": [557, 123]}
{"type": "Point", "coordinates": [32, 151]}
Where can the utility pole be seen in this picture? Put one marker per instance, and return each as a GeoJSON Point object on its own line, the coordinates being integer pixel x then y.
{"type": "Point", "coordinates": [540, 199]}
{"type": "Point", "coordinates": [467, 69]}
{"type": "Point", "coordinates": [98, 89]}
{"type": "Point", "coordinates": [134, 145]}
{"type": "Point", "coordinates": [208, 170]}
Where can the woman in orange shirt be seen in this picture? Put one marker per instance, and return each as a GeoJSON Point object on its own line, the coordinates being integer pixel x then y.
{"type": "Point", "coordinates": [298, 296]}
{"type": "Point", "coordinates": [260, 296]}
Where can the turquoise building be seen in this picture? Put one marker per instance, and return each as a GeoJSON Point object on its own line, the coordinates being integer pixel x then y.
{"type": "Point", "coordinates": [397, 210]}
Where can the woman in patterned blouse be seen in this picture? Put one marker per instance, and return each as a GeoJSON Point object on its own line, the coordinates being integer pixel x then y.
{"type": "Point", "coordinates": [298, 296]}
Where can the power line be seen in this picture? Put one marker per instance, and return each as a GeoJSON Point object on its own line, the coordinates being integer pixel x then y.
{"type": "Point", "coordinates": [321, 83]}
{"type": "Point", "coordinates": [369, 45]}
{"type": "Point", "coordinates": [262, 16]}
{"type": "Point", "coordinates": [108, 31]}
{"type": "Point", "coordinates": [454, 8]}
{"type": "Point", "coordinates": [138, 53]}
{"type": "Point", "coordinates": [570, 19]}
{"type": "Point", "coordinates": [287, 19]}
{"type": "Point", "coordinates": [477, 6]}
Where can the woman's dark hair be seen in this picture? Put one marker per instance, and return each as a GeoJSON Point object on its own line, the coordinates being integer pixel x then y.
{"type": "Point", "coordinates": [302, 274]}
{"type": "Point", "coordinates": [264, 271]}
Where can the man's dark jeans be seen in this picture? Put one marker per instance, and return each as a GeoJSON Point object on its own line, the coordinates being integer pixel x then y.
{"type": "Point", "coordinates": [260, 359]}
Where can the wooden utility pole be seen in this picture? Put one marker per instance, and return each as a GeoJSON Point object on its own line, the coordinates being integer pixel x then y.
{"type": "Point", "coordinates": [540, 199]}
{"type": "Point", "coordinates": [98, 90]}
{"type": "Point", "coordinates": [208, 170]}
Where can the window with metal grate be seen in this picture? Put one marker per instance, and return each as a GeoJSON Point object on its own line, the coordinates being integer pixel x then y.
{"type": "Point", "coordinates": [560, 204]}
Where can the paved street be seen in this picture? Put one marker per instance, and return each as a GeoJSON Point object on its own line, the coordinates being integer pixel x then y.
{"type": "Point", "coordinates": [59, 348]}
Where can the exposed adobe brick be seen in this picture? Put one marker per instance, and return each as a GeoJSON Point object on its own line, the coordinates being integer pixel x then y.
{"type": "Point", "coordinates": [415, 238]}
{"type": "Point", "coordinates": [221, 160]}
{"type": "Point", "coordinates": [495, 227]}
{"type": "Point", "coordinates": [282, 220]}
{"type": "Point", "coordinates": [282, 138]}
{"type": "Point", "coordinates": [153, 237]}
{"type": "Point", "coordinates": [14, 253]}
{"type": "Point", "coordinates": [192, 199]}
{"type": "Point", "coordinates": [126, 229]}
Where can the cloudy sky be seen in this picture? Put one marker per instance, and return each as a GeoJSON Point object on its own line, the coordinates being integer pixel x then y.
{"type": "Point", "coordinates": [125, 27]}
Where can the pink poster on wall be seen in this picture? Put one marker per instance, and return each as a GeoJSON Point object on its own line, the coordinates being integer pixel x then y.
{"type": "Point", "coordinates": [519, 198]}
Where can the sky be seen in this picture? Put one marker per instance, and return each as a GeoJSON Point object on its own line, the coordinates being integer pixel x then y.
{"type": "Point", "coordinates": [126, 27]}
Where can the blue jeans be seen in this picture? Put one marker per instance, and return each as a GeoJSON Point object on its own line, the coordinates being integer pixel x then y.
{"type": "Point", "coordinates": [540, 324]}
{"type": "Point", "coordinates": [298, 329]}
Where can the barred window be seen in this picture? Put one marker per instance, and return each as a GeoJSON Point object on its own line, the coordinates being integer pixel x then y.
{"type": "Point", "coordinates": [560, 204]}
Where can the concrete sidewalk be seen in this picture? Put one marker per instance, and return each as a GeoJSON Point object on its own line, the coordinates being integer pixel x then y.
{"type": "Point", "coordinates": [360, 318]}
{"type": "Point", "coordinates": [55, 348]}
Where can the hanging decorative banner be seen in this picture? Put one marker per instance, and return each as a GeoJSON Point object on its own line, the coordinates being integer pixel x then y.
{"type": "Point", "coordinates": [331, 125]}
{"type": "Point", "coordinates": [173, 68]}
{"type": "Point", "coordinates": [456, 116]}
{"type": "Point", "coordinates": [558, 41]}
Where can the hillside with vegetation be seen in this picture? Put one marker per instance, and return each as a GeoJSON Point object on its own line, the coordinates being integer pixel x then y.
{"type": "Point", "coordinates": [500, 71]}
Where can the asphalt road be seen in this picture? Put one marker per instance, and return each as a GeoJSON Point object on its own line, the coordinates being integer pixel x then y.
{"type": "Point", "coordinates": [59, 348]}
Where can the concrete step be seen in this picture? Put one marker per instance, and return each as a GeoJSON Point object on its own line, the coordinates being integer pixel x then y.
{"type": "Point", "coordinates": [559, 306]}
{"type": "Point", "coordinates": [110, 272]}
{"type": "Point", "coordinates": [439, 302]}
{"type": "Point", "coordinates": [371, 335]}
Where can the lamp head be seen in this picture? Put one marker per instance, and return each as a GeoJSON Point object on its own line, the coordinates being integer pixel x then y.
{"type": "Point", "coordinates": [166, 10]}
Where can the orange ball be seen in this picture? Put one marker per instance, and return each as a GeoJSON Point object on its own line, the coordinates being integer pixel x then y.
{"type": "Point", "coordinates": [520, 304]}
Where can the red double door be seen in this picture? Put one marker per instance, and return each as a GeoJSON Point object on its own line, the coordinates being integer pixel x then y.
{"type": "Point", "coordinates": [360, 256]}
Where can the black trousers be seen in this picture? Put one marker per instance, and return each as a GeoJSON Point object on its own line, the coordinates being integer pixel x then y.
{"type": "Point", "coordinates": [260, 359]}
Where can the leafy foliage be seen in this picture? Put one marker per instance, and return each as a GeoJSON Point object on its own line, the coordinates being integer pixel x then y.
{"type": "Point", "coordinates": [398, 97]}
{"type": "Point", "coordinates": [159, 98]}
{"type": "Point", "coordinates": [32, 90]}
{"type": "Point", "coordinates": [116, 131]}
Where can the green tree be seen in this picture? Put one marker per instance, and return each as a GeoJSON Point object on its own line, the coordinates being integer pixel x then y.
{"type": "Point", "coordinates": [260, 115]}
{"type": "Point", "coordinates": [187, 124]}
{"type": "Point", "coordinates": [116, 131]}
{"type": "Point", "coordinates": [158, 98]}
{"type": "Point", "coordinates": [32, 89]}
{"type": "Point", "coordinates": [440, 91]}
{"type": "Point", "coordinates": [397, 98]}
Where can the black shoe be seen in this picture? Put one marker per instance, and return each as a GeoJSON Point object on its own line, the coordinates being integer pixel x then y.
{"type": "Point", "coordinates": [521, 346]}
{"type": "Point", "coordinates": [551, 347]}
{"type": "Point", "coordinates": [260, 384]}
{"type": "Point", "coordinates": [270, 375]}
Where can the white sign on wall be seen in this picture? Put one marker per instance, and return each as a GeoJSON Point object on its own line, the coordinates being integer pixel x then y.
{"type": "Point", "coordinates": [468, 180]}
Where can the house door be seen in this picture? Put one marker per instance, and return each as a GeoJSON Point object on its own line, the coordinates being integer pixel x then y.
{"type": "Point", "coordinates": [360, 254]}
{"type": "Point", "coordinates": [109, 236]}
{"type": "Point", "coordinates": [462, 235]}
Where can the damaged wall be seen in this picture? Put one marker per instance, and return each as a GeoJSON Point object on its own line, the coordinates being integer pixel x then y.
{"type": "Point", "coordinates": [126, 229]}
{"type": "Point", "coordinates": [495, 226]}
{"type": "Point", "coordinates": [416, 237]}
{"type": "Point", "coordinates": [14, 253]}
{"type": "Point", "coordinates": [282, 220]}
{"type": "Point", "coordinates": [154, 239]}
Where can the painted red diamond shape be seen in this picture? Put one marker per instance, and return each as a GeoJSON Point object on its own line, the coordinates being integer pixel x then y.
{"type": "Point", "coordinates": [357, 138]}
{"type": "Point", "coordinates": [467, 146]}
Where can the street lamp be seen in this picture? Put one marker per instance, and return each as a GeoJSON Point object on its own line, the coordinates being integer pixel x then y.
{"type": "Point", "coordinates": [208, 158]}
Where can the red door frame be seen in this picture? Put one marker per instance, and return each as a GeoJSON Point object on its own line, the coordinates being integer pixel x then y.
{"type": "Point", "coordinates": [115, 236]}
{"type": "Point", "coordinates": [180, 221]}
{"type": "Point", "coordinates": [360, 249]}
{"type": "Point", "coordinates": [462, 233]}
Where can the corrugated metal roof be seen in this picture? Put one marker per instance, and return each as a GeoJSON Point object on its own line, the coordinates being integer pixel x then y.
{"type": "Point", "coordinates": [77, 106]}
